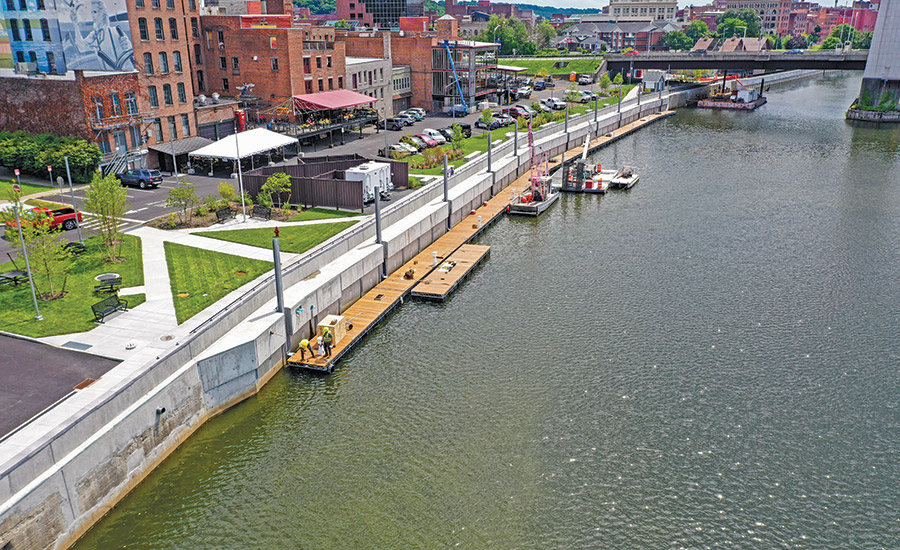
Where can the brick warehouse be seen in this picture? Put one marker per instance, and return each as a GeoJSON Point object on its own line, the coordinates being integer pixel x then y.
{"type": "Point", "coordinates": [279, 59]}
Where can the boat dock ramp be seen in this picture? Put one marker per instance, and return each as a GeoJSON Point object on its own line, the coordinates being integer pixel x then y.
{"type": "Point", "coordinates": [422, 277]}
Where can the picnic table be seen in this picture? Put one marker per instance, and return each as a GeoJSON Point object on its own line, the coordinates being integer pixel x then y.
{"type": "Point", "coordinates": [14, 277]}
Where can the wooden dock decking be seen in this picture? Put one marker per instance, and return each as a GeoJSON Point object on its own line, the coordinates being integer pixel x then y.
{"type": "Point", "coordinates": [365, 314]}
{"type": "Point", "coordinates": [438, 285]}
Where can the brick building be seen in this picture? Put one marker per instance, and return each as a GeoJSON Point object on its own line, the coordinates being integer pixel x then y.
{"type": "Point", "coordinates": [264, 60]}
{"type": "Point", "coordinates": [123, 69]}
{"type": "Point", "coordinates": [486, 7]}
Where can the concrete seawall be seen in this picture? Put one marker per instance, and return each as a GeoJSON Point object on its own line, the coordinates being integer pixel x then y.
{"type": "Point", "coordinates": [67, 469]}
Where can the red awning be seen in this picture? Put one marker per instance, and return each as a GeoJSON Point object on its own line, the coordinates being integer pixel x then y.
{"type": "Point", "coordinates": [338, 99]}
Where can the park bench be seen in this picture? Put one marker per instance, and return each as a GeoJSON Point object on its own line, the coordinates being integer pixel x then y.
{"type": "Point", "coordinates": [76, 247]}
{"type": "Point", "coordinates": [109, 284]}
{"type": "Point", "coordinates": [108, 305]}
{"type": "Point", "coordinates": [223, 214]}
{"type": "Point", "coordinates": [263, 212]}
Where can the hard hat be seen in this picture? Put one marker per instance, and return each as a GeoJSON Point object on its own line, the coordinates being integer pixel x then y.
{"type": "Point", "coordinates": [304, 343]}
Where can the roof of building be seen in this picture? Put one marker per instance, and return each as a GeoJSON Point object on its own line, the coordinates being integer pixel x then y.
{"type": "Point", "coordinates": [338, 99]}
{"type": "Point", "coordinates": [181, 146]}
{"type": "Point", "coordinates": [357, 60]}
{"type": "Point", "coordinates": [446, 17]}
{"type": "Point", "coordinates": [251, 142]}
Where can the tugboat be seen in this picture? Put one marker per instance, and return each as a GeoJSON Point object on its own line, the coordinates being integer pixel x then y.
{"type": "Point", "coordinates": [582, 178]}
{"type": "Point", "coordinates": [541, 194]}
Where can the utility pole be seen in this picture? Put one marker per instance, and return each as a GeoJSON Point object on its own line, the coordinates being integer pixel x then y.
{"type": "Point", "coordinates": [237, 151]}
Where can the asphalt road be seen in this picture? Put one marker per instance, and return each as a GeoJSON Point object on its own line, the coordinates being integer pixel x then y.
{"type": "Point", "coordinates": [148, 204]}
{"type": "Point", "coordinates": [33, 376]}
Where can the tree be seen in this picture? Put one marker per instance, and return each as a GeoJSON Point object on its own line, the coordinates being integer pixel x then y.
{"type": "Point", "coordinates": [543, 34]}
{"type": "Point", "coordinates": [227, 192]}
{"type": "Point", "coordinates": [458, 137]}
{"type": "Point", "coordinates": [618, 80]}
{"type": "Point", "coordinates": [795, 43]}
{"type": "Point", "coordinates": [696, 30]}
{"type": "Point", "coordinates": [572, 93]}
{"type": "Point", "coordinates": [749, 17]}
{"type": "Point", "coordinates": [47, 254]}
{"type": "Point", "coordinates": [605, 82]}
{"type": "Point", "coordinates": [511, 33]}
{"type": "Point", "coordinates": [862, 40]}
{"type": "Point", "coordinates": [107, 200]}
{"type": "Point", "coordinates": [677, 40]}
{"type": "Point", "coordinates": [275, 185]}
{"type": "Point", "coordinates": [487, 118]}
{"type": "Point", "coordinates": [729, 28]}
{"type": "Point", "coordinates": [182, 198]}
{"type": "Point", "coordinates": [342, 25]}
{"type": "Point", "coordinates": [830, 43]}
{"type": "Point", "coordinates": [779, 44]}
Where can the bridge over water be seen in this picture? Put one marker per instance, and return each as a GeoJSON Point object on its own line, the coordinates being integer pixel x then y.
{"type": "Point", "coordinates": [854, 60]}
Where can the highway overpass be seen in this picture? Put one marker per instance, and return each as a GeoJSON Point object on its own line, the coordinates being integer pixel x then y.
{"type": "Point", "coordinates": [769, 61]}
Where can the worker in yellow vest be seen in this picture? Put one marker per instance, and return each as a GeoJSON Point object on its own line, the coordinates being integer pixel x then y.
{"type": "Point", "coordinates": [304, 347]}
{"type": "Point", "coordinates": [326, 341]}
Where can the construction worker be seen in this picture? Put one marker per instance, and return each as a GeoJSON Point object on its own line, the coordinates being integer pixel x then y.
{"type": "Point", "coordinates": [304, 347]}
{"type": "Point", "coordinates": [326, 341]}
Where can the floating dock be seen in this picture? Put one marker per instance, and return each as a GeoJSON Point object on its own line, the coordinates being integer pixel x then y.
{"type": "Point", "coordinates": [749, 106]}
{"type": "Point", "coordinates": [438, 285]}
{"type": "Point", "coordinates": [365, 314]}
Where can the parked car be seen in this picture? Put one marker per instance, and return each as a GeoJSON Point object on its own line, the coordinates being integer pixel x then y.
{"type": "Point", "coordinates": [435, 135]}
{"type": "Point", "coordinates": [587, 97]}
{"type": "Point", "coordinates": [539, 85]}
{"type": "Point", "coordinates": [585, 79]}
{"type": "Point", "coordinates": [523, 91]}
{"type": "Point", "coordinates": [631, 52]}
{"type": "Point", "coordinates": [60, 218]}
{"type": "Point", "coordinates": [418, 110]}
{"type": "Point", "coordinates": [415, 141]}
{"type": "Point", "coordinates": [698, 51]}
{"type": "Point", "coordinates": [504, 119]}
{"type": "Point", "coordinates": [448, 131]}
{"type": "Point", "coordinates": [517, 111]}
{"type": "Point", "coordinates": [398, 150]}
{"type": "Point", "coordinates": [427, 140]}
{"type": "Point", "coordinates": [407, 119]}
{"type": "Point", "coordinates": [795, 51]}
{"type": "Point", "coordinates": [141, 178]}
{"type": "Point", "coordinates": [493, 126]}
{"type": "Point", "coordinates": [392, 124]}
{"type": "Point", "coordinates": [416, 115]}
{"type": "Point", "coordinates": [458, 110]}
{"type": "Point", "coordinates": [554, 103]}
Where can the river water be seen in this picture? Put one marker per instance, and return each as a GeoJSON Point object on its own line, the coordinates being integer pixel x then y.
{"type": "Point", "coordinates": [709, 360]}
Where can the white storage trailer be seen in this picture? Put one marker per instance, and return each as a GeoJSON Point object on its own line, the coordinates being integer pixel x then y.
{"type": "Point", "coordinates": [372, 174]}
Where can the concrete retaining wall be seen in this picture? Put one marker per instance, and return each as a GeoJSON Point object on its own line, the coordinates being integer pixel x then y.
{"type": "Point", "coordinates": [57, 479]}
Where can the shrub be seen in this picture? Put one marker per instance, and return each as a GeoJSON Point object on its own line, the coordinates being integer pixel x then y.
{"type": "Point", "coordinates": [211, 202]}
{"type": "Point", "coordinates": [170, 221]}
{"type": "Point", "coordinates": [227, 192]}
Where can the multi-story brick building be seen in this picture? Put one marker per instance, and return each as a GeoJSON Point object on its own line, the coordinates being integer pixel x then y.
{"type": "Point", "coordinates": [264, 60]}
{"type": "Point", "coordinates": [774, 15]}
{"type": "Point", "coordinates": [122, 69]}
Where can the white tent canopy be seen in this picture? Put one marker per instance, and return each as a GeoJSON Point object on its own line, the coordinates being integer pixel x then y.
{"type": "Point", "coordinates": [249, 143]}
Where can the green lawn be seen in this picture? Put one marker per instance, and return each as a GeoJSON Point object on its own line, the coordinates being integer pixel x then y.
{"type": "Point", "coordinates": [323, 214]}
{"type": "Point", "coordinates": [200, 277]}
{"type": "Point", "coordinates": [27, 188]}
{"type": "Point", "coordinates": [534, 66]}
{"type": "Point", "coordinates": [71, 313]}
{"type": "Point", "coordinates": [295, 239]}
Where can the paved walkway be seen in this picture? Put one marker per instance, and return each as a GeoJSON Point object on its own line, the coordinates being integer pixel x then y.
{"type": "Point", "coordinates": [148, 329]}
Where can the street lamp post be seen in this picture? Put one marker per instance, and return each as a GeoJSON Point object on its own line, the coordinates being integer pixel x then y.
{"type": "Point", "coordinates": [37, 312]}
{"type": "Point", "coordinates": [237, 151]}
